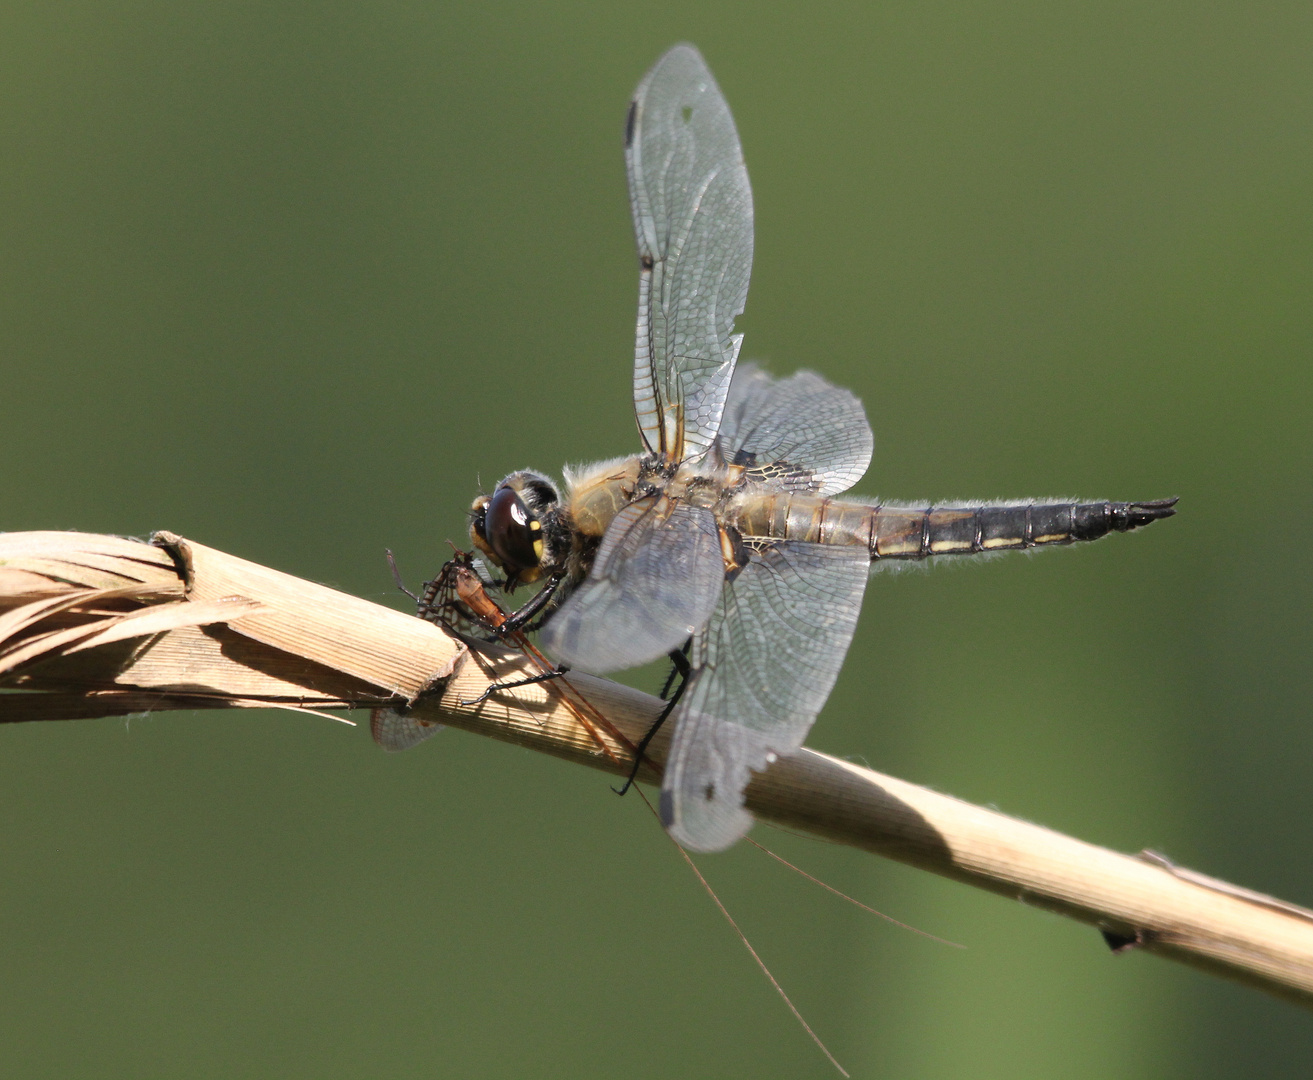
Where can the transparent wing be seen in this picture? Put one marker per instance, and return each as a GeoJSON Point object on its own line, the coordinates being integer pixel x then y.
{"type": "Point", "coordinates": [693, 224]}
{"type": "Point", "coordinates": [800, 432]}
{"type": "Point", "coordinates": [762, 669]}
{"type": "Point", "coordinates": [394, 730]}
{"type": "Point", "coordinates": [654, 583]}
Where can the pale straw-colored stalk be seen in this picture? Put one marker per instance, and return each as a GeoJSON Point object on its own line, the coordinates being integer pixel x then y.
{"type": "Point", "coordinates": [98, 625]}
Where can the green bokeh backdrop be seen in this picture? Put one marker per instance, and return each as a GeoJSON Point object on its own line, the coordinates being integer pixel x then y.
{"type": "Point", "coordinates": [292, 278]}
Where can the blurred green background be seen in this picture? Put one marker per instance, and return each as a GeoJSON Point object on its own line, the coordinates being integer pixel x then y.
{"type": "Point", "coordinates": [291, 279]}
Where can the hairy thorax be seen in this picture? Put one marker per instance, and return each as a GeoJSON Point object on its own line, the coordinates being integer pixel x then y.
{"type": "Point", "coordinates": [598, 492]}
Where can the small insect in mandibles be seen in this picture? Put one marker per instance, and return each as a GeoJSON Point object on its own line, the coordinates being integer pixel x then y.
{"type": "Point", "coordinates": [721, 544]}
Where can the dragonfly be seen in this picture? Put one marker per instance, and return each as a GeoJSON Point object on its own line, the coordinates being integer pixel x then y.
{"type": "Point", "coordinates": [722, 543]}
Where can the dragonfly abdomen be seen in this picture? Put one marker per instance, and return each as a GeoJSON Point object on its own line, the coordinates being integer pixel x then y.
{"type": "Point", "coordinates": [912, 532]}
{"type": "Point", "coordinates": [808, 518]}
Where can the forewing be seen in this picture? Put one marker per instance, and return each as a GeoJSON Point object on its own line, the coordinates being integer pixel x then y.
{"type": "Point", "coordinates": [800, 433]}
{"type": "Point", "coordinates": [692, 208]}
{"type": "Point", "coordinates": [654, 583]}
{"type": "Point", "coordinates": [762, 669]}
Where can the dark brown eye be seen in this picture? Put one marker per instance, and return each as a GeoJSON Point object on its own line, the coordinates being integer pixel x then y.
{"type": "Point", "coordinates": [512, 533]}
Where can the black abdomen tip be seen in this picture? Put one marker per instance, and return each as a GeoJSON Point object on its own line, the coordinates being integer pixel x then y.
{"type": "Point", "coordinates": [1141, 513]}
{"type": "Point", "coordinates": [1089, 521]}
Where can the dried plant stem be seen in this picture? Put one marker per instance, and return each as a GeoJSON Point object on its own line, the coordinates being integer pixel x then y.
{"type": "Point", "coordinates": [212, 630]}
{"type": "Point", "coordinates": [1141, 901]}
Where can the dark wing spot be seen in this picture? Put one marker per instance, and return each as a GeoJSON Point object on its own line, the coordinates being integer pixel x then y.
{"type": "Point", "coordinates": [737, 554]}
{"type": "Point", "coordinates": [645, 261]}
{"type": "Point", "coordinates": [793, 477]}
{"type": "Point", "coordinates": [629, 124]}
{"type": "Point", "coordinates": [709, 792]}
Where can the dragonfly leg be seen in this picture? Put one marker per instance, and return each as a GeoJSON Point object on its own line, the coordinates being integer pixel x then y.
{"type": "Point", "coordinates": [519, 620]}
{"type": "Point", "coordinates": [679, 669]}
{"type": "Point", "coordinates": [543, 676]}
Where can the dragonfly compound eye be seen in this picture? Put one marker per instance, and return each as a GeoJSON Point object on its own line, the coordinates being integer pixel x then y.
{"type": "Point", "coordinates": [515, 535]}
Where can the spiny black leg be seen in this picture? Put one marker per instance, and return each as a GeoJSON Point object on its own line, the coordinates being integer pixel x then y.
{"type": "Point", "coordinates": [540, 677]}
{"type": "Point", "coordinates": [540, 599]}
{"type": "Point", "coordinates": [678, 666]}
{"type": "Point", "coordinates": [679, 658]}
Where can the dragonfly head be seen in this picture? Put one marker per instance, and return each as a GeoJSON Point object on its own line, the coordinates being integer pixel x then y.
{"type": "Point", "coordinates": [507, 526]}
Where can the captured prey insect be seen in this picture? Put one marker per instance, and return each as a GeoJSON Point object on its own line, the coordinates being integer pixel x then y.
{"type": "Point", "coordinates": [723, 535]}
{"type": "Point", "coordinates": [458, 599]}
